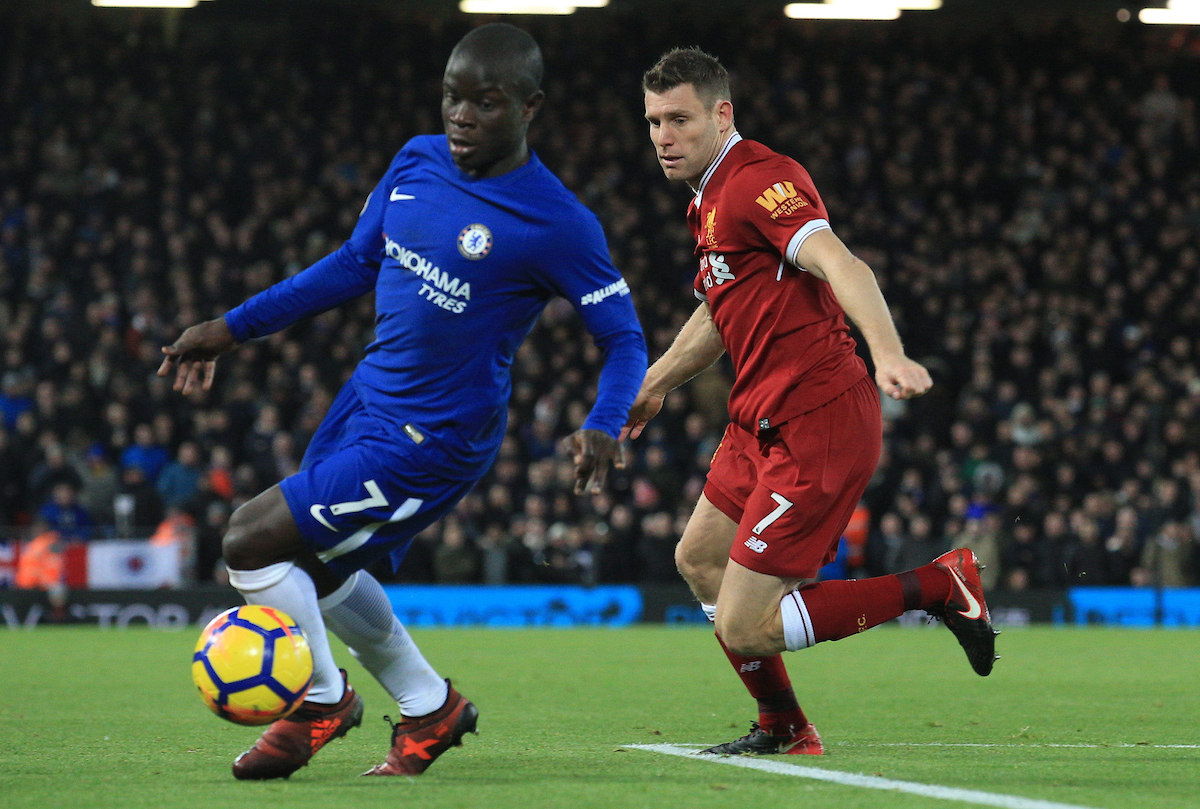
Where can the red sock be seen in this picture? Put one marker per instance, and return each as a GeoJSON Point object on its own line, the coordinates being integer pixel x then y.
{"type": "Point", "coordinates": [839, 609]}
{"type": "Point", "coordinates": [767, 680]}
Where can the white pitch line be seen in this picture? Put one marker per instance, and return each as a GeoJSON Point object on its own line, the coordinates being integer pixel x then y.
{"type": "Point", "coordinates": [857, 780]}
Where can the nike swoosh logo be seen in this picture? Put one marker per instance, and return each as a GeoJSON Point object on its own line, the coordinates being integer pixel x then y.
{"type": "Point", "coordinates": [397, 196]}
{"type": "Point", "coordinates": [974, 610]}
{"type": "Point", "coordinates": [315, 511]}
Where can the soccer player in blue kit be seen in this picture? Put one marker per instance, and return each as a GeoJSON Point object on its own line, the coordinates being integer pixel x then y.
{"type": "Point", "coordinates": [464, 240]}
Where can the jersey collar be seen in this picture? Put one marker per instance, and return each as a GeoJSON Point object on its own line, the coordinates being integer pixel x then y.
{"type": "Point", "coordinates": [729, 144]}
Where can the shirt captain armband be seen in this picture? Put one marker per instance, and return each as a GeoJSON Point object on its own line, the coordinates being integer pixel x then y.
{"type": "Point", "coordinates": [801, 236]}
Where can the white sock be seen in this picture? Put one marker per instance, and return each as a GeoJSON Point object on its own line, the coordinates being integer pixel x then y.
{"type": "Point", "coordinates": [710, 612]}
{"type": "Point", "coordinates": [797, 626]}
{"type": "Point", "coordinates": [288, 588]}
{"type": "Point", "coordinates": [360, 614]}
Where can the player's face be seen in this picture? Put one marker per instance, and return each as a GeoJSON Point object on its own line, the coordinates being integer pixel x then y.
{"type": "Point", "coordinates": [686, 133]}
{"type": "Point", "coordinates": [485, 121]}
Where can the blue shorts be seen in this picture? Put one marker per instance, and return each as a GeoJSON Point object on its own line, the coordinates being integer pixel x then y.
{"type": "Point", "coordinates": [364, 489]}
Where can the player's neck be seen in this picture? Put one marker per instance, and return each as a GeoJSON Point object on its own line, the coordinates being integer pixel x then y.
{"type": "Point", "coordinates": [504, 165]}
{"type": "Point", "coordinates": [697, 182]}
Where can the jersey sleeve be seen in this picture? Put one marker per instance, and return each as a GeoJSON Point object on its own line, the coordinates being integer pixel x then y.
{"type": "Point", "coordinates": [777, 198]}
{"type": "Point", "coordinates": [346, 273]}
{"type": "Point", "coordinates": [581, 271]}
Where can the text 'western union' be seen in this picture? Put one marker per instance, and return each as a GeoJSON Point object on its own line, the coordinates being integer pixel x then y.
{"type": "Point", "coordinates": [781, 199]}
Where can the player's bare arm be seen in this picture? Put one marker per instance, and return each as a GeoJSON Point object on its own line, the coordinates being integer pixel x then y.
{"type": "Point", "coordinates": [195, 353]}
{"type": "Point", "coordinates": [696, 347]}
{"type": "Point", "coordinates": [825, 256]}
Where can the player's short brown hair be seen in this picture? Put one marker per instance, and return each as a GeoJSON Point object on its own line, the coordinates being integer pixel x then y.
{"type": "Point", "coordinates": [689, 66]}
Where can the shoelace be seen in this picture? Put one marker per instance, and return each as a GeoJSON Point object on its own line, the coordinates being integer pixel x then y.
{"type": "Point", "coordinates": [754, 728]}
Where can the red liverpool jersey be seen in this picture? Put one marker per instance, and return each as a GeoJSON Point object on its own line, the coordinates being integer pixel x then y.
{"type": "Point", "coordinates": [783, 329]}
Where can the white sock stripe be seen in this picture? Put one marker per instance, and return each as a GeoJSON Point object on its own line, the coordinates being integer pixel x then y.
{"type": "Point", "coordinates": [251, 581]}
{"type": "Point", "coordinates": [808, 627]}
{"type": "Point", "coordinates": [788, 615]}
{"type": "Point", "coordinates": [799, 602]}
{"type": "Point", "coordinates": [797, 632]}
{"type": "Point", "coordinates": [799, 611]}
{"type": "Point", "coordinates": [710, 612]}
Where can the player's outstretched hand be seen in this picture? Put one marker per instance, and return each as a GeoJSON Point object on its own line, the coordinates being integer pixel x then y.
{"type": "Point", "coordinates": [195, 353]}
{"type": "Point", "coordinates": [645, 407]}
{"type": "Point", "coordinates": [592, 451]}
{"type": "Point", "coordinates": [902, 378]}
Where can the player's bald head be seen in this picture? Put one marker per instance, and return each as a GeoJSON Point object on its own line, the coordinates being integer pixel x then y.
{"type": "Point", "coordinates": [511, 56]}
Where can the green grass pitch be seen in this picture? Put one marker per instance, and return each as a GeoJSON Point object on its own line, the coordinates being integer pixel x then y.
{"type": "Point", "coordinates": [98, 719]}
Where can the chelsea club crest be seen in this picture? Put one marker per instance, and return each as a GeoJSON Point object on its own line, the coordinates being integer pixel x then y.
{"type": "Point", "coordinates": [475, 242]}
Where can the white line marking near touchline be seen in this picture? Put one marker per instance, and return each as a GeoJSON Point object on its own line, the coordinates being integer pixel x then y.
{"type": "Point", "coordinates": [858, 780]}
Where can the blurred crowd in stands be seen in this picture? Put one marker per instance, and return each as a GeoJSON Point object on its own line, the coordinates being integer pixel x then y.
{"type": "Point", "coordinates": [1029, 201]}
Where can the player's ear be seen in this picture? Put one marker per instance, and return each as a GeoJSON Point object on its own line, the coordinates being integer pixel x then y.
{"type": "Point", "coordinates": [724, 112]}
{"type": "Point", "coordinates": [531, 105]}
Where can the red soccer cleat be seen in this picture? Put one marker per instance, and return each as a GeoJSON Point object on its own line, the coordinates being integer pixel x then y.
{"type": "Point", "coordinates": [758, 742]}
{"type": "Point", "coordinates": [288, 744]}
{"type": "Point", "coordinates": [966, 613]}
{"type": "Point", "coordinates": [417, 742]}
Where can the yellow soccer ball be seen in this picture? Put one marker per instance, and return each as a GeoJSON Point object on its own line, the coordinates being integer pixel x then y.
{"type": "Point", "coordinates": [252, 665]}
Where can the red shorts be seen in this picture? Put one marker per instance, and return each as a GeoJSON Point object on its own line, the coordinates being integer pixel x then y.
{"type": "Point", "coordinates": [792, 489]}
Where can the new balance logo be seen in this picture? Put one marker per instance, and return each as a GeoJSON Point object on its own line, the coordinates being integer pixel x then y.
{"type": "Point", "coordinates": [753, 665]}
{"type": "Point", "coordinates": [755, 544]}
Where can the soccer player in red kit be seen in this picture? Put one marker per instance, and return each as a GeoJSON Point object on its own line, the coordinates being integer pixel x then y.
{"type": "Point", "coordinates": [775, 285]}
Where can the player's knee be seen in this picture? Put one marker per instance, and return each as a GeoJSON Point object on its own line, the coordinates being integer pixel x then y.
{"type": "Point", "coordinates": [260, 533]}
{"type": "Point", "coordinates": [700, 573]}
{"type": "Point", "coordinates": [691, 564]}
{"type": "Point", "coordinates": [738, 641]}
{"type": "Point", "coordinates": [742, 638]}
{"type": "Point", "coordinates": [683, 562]}
{"type": "Point", "coordinates": [246, 545]}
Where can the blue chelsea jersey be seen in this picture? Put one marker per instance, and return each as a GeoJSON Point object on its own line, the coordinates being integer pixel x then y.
{"type": "Point", "coordinates": [461, 269]}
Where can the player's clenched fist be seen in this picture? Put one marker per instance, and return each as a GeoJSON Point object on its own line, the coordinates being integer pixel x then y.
{"type": "Point", "coordinates": [195, 353]}
{"type": "Point", "coordinates": [902, 378]}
